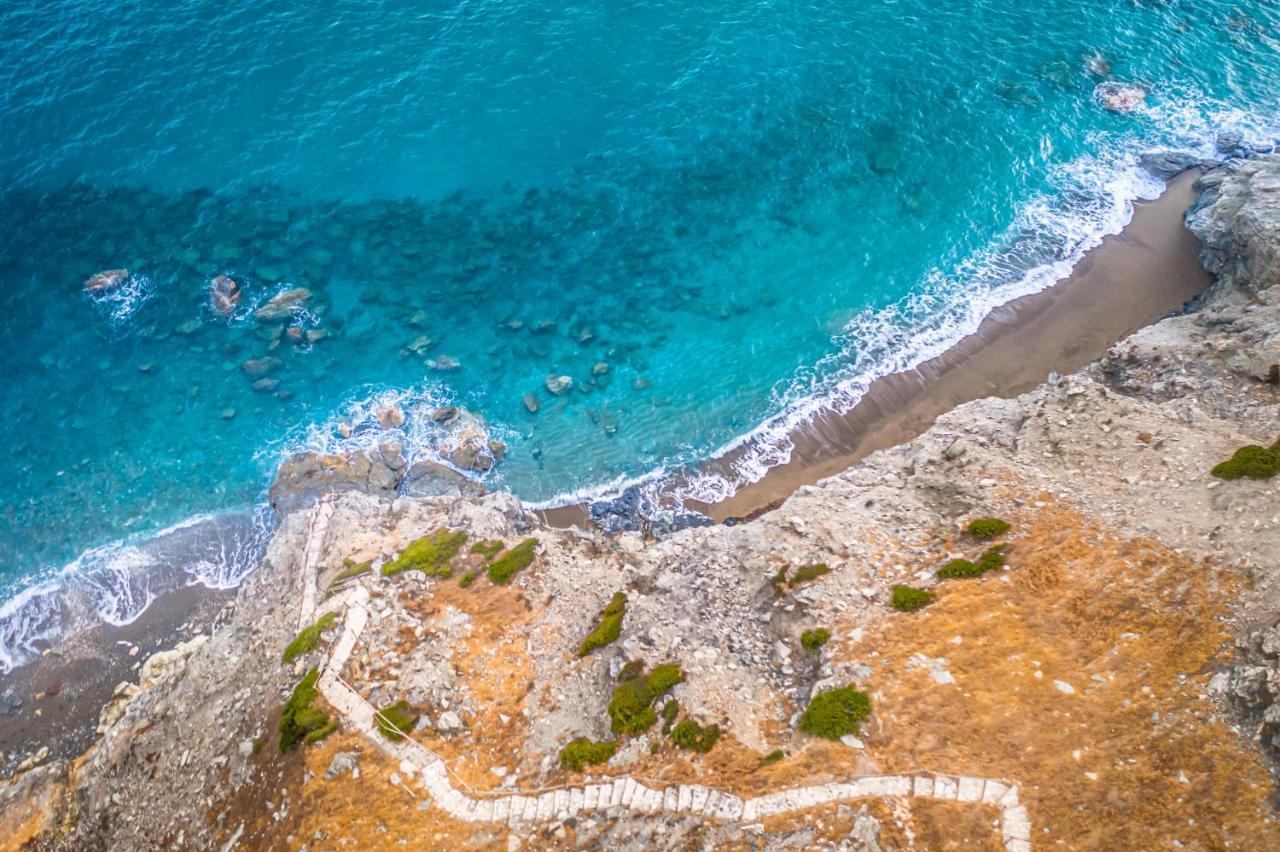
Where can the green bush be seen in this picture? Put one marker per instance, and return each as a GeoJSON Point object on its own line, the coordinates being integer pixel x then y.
{"type": "Point", "coordinates": [805, 573]}
{"type": "Point", "coordinates": [487, 549]}
{"type": "Point", "coordinates": [631, 707]}
{"type": "Point", "coordinates": [812, 640]}
{"type": "Point", "coordinates": [506, 566]}
{"type": "Point", "coordinates": [429, 554]}
{"type": "Point", "coordinates": [959, 568]}
{"type": "Point", "coordinates": [669, 712]}
{"type": "Point", "coordinates": [631, 669]}
{"type": "Point", "coordinates": [609, 627]}
{"type": "Point", "coordinates": [836, 713]}
{"type": "Point", "coordinates": [1250, 462]}
{"type": "Point", "coordinates": [779, 580]}
{"type": "Point", "coordinates": [350, 568]}
{"type": "Point", "coordinates": [467, 579]}
{"type": "Point", "coordinates": [987, 528]}
{"type": "Point", "coordinates": [909, 599]}
{"type": "Point", "coordinates": [583, 752]}
{"type": "Point", "coordinates": [300, 721]}
{"type": "Point", "coordinates": [772, 757]}
{"type": "Point", "coordinates": [691, 736]}
{"type": "Point", "coordinates": [992, 559]}
{"type": "Point", "coordinates": [308, 638]}
{"type": "Point", "coordinates": [396, 721]}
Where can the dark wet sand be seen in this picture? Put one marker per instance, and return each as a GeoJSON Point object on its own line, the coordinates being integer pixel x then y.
{"type": "Point", "coordinates": [84, 670]}
{"type": "Point", "coordinates": [1132, 279]}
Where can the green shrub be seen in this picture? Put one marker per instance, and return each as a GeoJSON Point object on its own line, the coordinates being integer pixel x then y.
{"type": "Point", "coordinates": [308, 638]}
{"type": "Point", "coordinates": [396, 721]}
{"type": "Point", "coordinates": [1250, 462]}
{"type": "Point", "coordinates": [609, 628]}
{"type": "Point", "coordinates": [805, 573]}
{"type": "Point", "coordinates": [583, 752]}
{"type": "Point", "coordinates": [351, 568]}
{"type": "Point", "coordinates": [631, 669]}
{"type": "Point", "coordinates": [909, 599]}
{"type": "Point", "coordinates": [772, 757]}
{"type": "Point", "coordinates": [487, 549]}
{"type": "Point", "coordinates": [300, 721]}
{"type": "Point", "coordinates": [836, 713]}
{"type": "Point", "coordinates": [429, 554]}
{"type": "Point", "coordinates": [992, 559]}
{"type": "Point", "coordinates": [691, 736]}
{"type": "Point", "coordinates": [987, 528]}
{"type": "Point", "coordinates": [957, 568]}
{"type": "Point", "coordinates": [669, 712]}
{"type": "Point", "coordinates": [779, 580]}
{"type": "Point", "coordinates": [631, 707]}
{"type": "Point", "coordinates": [506, 566]}
{"type": "Point", "coordinates": [812, 640]}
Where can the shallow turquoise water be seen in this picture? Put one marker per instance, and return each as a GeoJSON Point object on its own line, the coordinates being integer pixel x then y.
{"type": "Point", "coordinates": [747, 210]}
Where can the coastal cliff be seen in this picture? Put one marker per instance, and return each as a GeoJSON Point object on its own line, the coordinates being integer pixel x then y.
{"type": "Point", "coordinates": [1109, 652]}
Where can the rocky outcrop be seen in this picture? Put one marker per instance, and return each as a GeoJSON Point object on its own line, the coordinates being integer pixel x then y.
{"type": "Point", "coordinates": [305, 478]}
{"type": "Point", "coordinates": [1238, 222]}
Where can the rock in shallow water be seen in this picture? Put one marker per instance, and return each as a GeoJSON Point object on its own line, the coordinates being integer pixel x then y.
{"type": "Point", "coordinates": [224, 294]}
{"type": "Point", "coordinates": [282, 305]}
{"type": "Point", "coordinates": [107, 280]}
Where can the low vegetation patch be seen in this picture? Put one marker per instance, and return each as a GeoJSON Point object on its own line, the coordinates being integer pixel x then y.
{"type": "Point", "coordinates": [669, 712]}
{"type": "Point", "coordinates": [430, 554]}
{"type": "Point", "coordinates": [812, 640]}
{"type": "Point", "coordinates": [395, 722]}
{"type": "Point", "coordinates": [909, 598]}
{"type": "Point", "coordinates": [1250, 462]}
{"type": "Point", "coordinates": [582, 752]}
{"type": "Point", "coordinates": [691, 736]}
{"type": "Point", "coordinates": [805, 573]}
{"type": "Point", "coordinates": [631, 707]}
{"type": "Point", "coordinates": [985, 529]}
{"type": "Point", "coordinates": [350, 568]}
{"type": "Point", "coordinates": [836, 713]}
{"type": "Point", "coordinates": [609, 627]}
{"type": "Point", "coordinates": [300, 720]}
{"type": "Point", "coordinates": [308, 638]}
{"type": "Point", "coordinates": [515, 560]}
{"type": "Point", "coordinates": [487, 549]}
{"type": "Point", "coordinates": [992, 559]}
{"type": "Point", "coordinates": [772, 757]}
{"type": "Point", "coordinates": [467, 579]}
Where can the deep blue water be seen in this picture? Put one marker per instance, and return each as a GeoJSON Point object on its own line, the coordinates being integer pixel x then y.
{"type": "Point", "coordinates": [746, 210]}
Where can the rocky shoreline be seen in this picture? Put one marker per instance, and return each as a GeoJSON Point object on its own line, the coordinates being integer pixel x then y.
{"type": "Point", "coordinates": [1138, 591]}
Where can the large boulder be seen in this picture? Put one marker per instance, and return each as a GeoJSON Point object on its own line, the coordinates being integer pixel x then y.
{"type": "Point", "coordinates": [1237, 219]}
{"type": "Point", "coordinates": [431, 479]}
{"type": "Point", "coordinates": [305, 478]}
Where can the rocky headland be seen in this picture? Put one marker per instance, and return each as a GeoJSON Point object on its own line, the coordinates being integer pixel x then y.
{"type": "Point", "coordinates": [1094, 663]}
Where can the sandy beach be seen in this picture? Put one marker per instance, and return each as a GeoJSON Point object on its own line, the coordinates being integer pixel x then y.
{"type": "Point", "coordinates": [1133, 279]}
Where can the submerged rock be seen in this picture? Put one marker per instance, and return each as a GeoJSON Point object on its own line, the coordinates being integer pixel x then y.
{"type": "Point", "coordinates": [283, 305]}
{"type": "Point", "coordinates": [531, 404]}
{"type": "Point", "coordinates": [1120, 97]}
{"type": "Point", "coordinates": [107, 280]}
{"type": "Point", "coordinates": [559, 385]}
{"type": "Point", "coordinates": [444, 363]}
{"type": "Point", "coordinates": [224, 294]}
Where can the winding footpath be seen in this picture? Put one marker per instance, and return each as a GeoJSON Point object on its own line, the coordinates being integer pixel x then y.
{"type": "Point", "coordinates": [430, 772]}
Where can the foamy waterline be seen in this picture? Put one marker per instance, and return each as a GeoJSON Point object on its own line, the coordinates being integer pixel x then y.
{"type": "Point", "coordinates": [1039, 250]}
{"type": "Point", "coordinates": [115, 583]}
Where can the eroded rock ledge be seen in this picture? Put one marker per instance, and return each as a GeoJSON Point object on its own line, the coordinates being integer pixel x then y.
{"type": "Point", "coordinates": [1121, 667]}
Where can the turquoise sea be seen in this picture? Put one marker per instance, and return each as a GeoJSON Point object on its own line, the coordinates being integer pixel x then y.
{"type": "Point", "coordinates": [746, 210]}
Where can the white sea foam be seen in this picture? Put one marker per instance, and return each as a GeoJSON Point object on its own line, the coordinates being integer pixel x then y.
{"type": "Point", "coordinates": [1094, 197]}
{"type": "Point", "coordinates": [115, 583]}
{"type": "Point", "coordinates": [121, 303]}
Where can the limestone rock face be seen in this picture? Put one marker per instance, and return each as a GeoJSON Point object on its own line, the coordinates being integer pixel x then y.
{"type": "Point", "coordinates": [305, 478]}
{"type": "Point", "coordinates": [1238, 222]}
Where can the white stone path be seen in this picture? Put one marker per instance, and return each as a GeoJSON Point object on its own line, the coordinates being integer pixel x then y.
{"type": "Point", "coordinates": [429, 771]}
